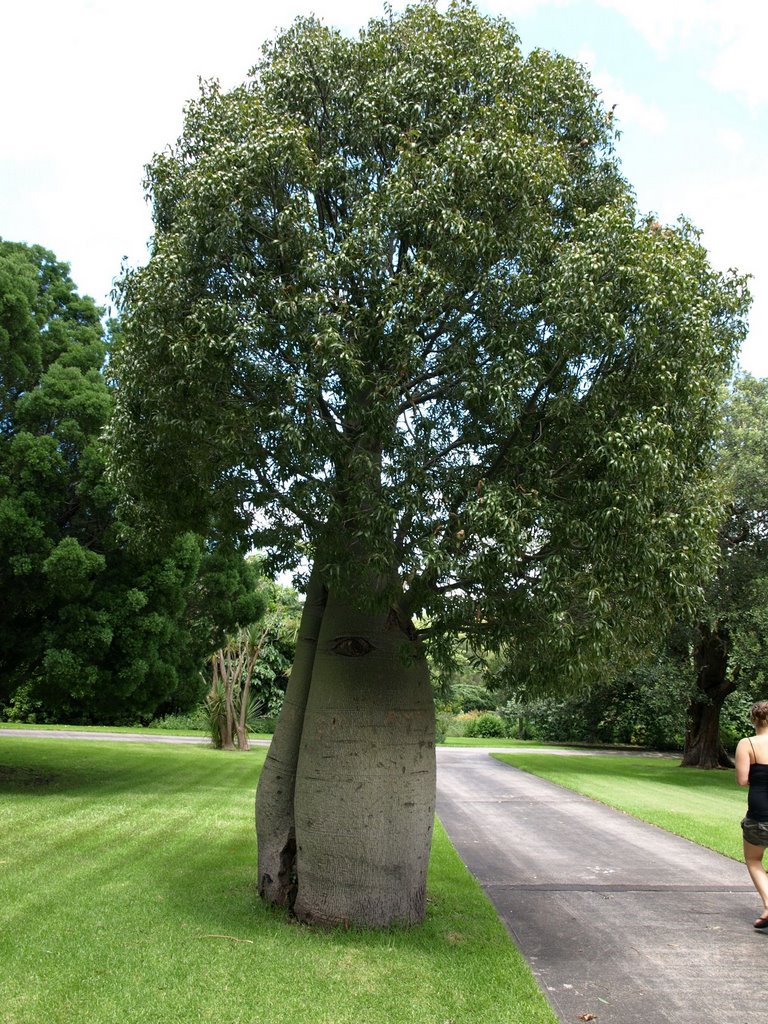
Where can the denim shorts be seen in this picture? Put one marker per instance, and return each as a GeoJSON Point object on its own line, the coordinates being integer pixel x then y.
{"type": "Point", "coordinates": [755, 832]}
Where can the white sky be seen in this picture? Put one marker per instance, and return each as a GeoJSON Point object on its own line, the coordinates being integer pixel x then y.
{"type": "Point", "coordinates": [93, 88]}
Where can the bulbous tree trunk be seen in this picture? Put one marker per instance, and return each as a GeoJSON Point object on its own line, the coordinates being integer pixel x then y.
{"type": "Point", "coordinates": [365, 786]}
{"type": "Point", "coordinates": [703, 746]}
{"type": "Point", "coordinates": [274, 796]}
{"type": "Point", "coordinates": [346, 839]}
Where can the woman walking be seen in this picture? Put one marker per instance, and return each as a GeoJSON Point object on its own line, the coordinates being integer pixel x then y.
{"type": "Point", "coordinates": [752, 771]}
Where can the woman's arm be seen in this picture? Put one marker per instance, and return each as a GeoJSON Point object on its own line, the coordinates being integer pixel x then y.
{"type": "Point", "coordinates": [743, 762]}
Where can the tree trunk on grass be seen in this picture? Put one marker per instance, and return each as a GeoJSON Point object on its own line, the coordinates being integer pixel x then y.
{"type": "Point", "coordinates": [703, 747]}
{"type": "Point", "coordinates": [364, 798]}
{"type": "Point", "coordinates": [228, 739]}
{"type": "Point", "coordinates": [274, 797]}
{"type": "Point", "coordinates": [243, 743]}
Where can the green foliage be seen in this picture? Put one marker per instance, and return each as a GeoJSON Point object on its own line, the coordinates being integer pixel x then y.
{"type": "Point", "coordinates": [486, 725]}
{"type": "Point", "coordinates": [469, 697]}
{"type": "Point", "coordinates": [644, 707]}
{"type": "Point", "coordinates": [248, 671]}
{"type": "Point", "coordinates": [442, 720]}
{"type": "Point", "coordinates": [245, 708]}
{"type": "Point", "coordinates": [734, 718]}
{"type": "Point", "coordinates": [458, 683]}
{"type": "Point", "coordinates": [271, 671]}
{"type": "Point", "coordinates": [24, 707]}
{"type": "Point", "coordinates": [738, 598]}
{"type": "Point", "coordinates": [729, 643]}
{"type": "Point", "coordinates": [214, 709]}
{"type": "Point", "coordinates": [94, 629]}
{"type": "Point", "coordinates": [191, 721]}
{"type": "Point", "coordinates": [402, 318]}
{"type": "Point", "coordinates": [264, 726]}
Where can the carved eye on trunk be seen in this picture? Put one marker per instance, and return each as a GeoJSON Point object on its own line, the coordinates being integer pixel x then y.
{"type": "Point", "coordinates": [352, 646]}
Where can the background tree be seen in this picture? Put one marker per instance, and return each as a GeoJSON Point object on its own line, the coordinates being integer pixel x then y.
{"type": "Point", "coordinates": [401, 319]}
{"type": "Point", "coordinates": [729, 642]}
{"type": "Point", "coordinates": [45, 329]}
{"type": "Point", "coordinates": [229, 706]}
{"type": "Point", "coordinates": [248, 671]}
{"type": "Point", "coordinates": [93, 630]}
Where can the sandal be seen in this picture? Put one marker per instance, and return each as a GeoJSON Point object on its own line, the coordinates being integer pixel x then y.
{"type": "Point", "coordinates": [762, 921]}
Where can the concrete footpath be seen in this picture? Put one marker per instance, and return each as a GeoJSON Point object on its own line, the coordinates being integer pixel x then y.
{"type": "Point", "coordinates": [618, 919]}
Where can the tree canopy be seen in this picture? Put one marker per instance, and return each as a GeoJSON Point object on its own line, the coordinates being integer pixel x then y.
{"type": "Point", "coordinates": [399, 295]}
{"type": "Point", "coordinates": [740, 592]}
{"type": "Point", "coordinates": [729, 637]}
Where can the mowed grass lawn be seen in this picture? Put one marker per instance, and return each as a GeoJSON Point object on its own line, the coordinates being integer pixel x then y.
{"type": "Point", "coordinates": [704, 806]}
{"type": "Point", "coordinates": [127, 895]}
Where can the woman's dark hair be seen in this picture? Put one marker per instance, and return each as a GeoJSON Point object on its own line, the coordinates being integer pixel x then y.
{"type": "Point", "coordinates": [759, 712]}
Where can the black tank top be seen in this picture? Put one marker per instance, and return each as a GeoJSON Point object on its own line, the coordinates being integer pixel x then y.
{"type": "Point", "coordinates": [757, 798]}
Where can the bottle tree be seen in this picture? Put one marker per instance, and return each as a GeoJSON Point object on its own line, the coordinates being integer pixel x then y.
{"type": "Point", "coordinates": [402, 320]}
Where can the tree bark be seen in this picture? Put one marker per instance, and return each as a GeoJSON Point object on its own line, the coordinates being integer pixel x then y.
{"type": "Point", "coordinates": [365, 785]}
{"type": "Point", "coordinates": [703, 747]}
{"type": "Point", "coordinates": [275, 794]}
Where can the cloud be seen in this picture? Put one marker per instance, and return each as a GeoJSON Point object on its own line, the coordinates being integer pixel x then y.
{"type": "Point", "coordinates": [740, 68]}
{"type": "Point", "coordinates": [663, 23]}
{"type": "Point", "coordinates": [630, 109]}
{"type": "Point", "coordinates": [731, 141]}
{"type": "Point", "coordinates": [728, 36]}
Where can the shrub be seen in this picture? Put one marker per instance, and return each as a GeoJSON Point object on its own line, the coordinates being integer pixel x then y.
{"type": "Point", "coordinates": [263, 724]}
{"type": "Point", "coordinates": [470, 697]}
{"type": "Point", "coordinates": [454, 724]}
{"type": "Point", "coordinates": [734, 718]}
{"type": "Point", "coordinates": [191, 720]}
{"type": "Point", "coordinates": [442, 724]}
{"type": "Point", "coordinates": [486, 726]}
{"type": "Point", "coordinates": [23, 707]}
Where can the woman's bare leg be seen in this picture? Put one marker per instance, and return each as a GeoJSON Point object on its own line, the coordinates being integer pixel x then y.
{"type": "Point", "coordinates": [753, 857]}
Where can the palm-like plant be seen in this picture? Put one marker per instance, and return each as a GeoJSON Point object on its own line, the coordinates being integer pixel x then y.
{"type": "Point", "coordinates": [229, 707]}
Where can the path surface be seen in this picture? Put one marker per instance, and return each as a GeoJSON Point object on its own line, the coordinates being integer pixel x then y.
{"type": "Point", "coordinates": [617, 918]}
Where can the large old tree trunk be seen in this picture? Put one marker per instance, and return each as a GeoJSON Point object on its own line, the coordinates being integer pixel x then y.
{"type": "Point", "coordinates": [703, 747]}
{"type": "Point", "coordinates": [363, 803]}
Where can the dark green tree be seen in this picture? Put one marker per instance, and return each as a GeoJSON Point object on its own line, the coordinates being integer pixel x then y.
{"type": "Point", "coordinates": [401, 319]}
{"type": "Point", "coordinates": [92, 628]}
{"type": "Point", "coordinates": [47, 333]}
{"type": "Point", "coordinates": [730, 637]}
